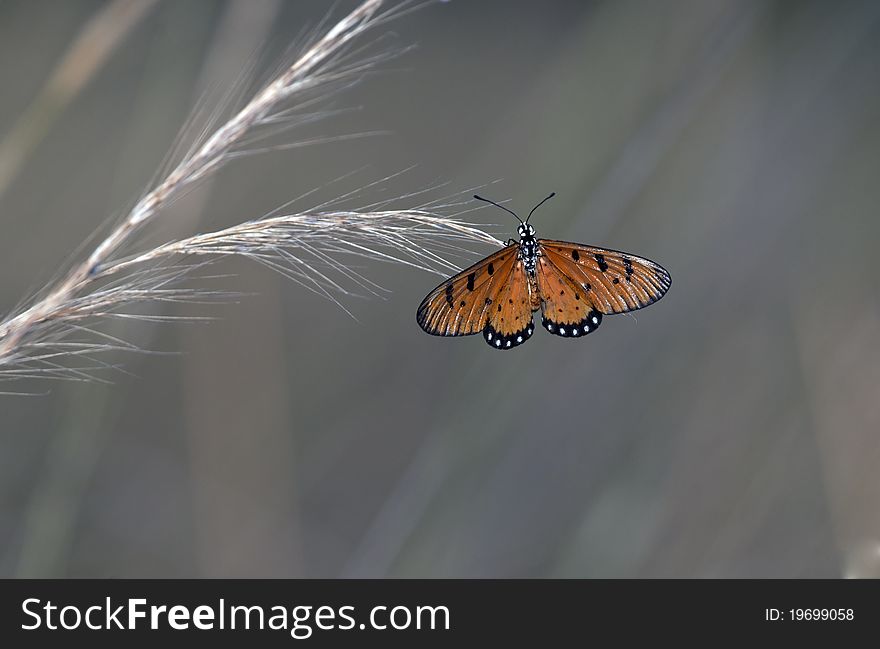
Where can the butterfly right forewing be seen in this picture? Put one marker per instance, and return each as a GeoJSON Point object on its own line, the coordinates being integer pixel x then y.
{"type": "Point", "coordinates": [578, 284]}
{"type": "Point", "coordinates": [617, 282]}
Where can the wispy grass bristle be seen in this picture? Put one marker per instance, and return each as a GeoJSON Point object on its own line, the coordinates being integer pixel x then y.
{"type": "Point", "coordinates": [56, 334]}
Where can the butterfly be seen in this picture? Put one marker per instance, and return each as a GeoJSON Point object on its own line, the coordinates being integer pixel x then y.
{"type": "Point", "coordinates": [573, 285]}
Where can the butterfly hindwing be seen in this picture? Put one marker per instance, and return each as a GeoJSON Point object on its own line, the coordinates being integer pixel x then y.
{"type": "Point", "coordinates": [567, 309]}
{"type": "Point", "coordinates": [510, 314]}
{"type": "Point", "coordinates": [579, 284]}
{"type": "Point", "coordinates": [461, 305]}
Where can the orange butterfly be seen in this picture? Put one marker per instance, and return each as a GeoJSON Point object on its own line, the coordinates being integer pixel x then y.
{"type": "Point", "coordinates": [574, 286]}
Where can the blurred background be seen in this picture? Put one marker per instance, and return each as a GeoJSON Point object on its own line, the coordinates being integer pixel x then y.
{"type": "Point", "coordinates": [731, 430]}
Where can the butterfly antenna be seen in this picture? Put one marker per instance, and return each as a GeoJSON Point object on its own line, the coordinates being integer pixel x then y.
{"type": "Point", "coordinates": [552, 194]}
{"type": "Point", "coordinates": [480, 198]}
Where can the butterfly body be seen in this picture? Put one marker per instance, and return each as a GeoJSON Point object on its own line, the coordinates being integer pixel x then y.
{"type": "Point", "coordinates": [574, 286]}
{"type": "Point", "coordinates": [528, 248]}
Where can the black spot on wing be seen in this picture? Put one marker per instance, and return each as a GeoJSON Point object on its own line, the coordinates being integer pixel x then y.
{"type": "Point", "coordinates": [586, 326]}
{"type": "Point", "coordinates": [497, 340]}
{"type": "Point", "coordinates": [491, 269]}
{"type": "Point", "coordinates": [600, 259]}
{"type": "Point", "coordinates": [470, 281]}
{"type": "Point", "coordinates": [575, 255]}
{"type": "Point", "coordinates": [449, 295]}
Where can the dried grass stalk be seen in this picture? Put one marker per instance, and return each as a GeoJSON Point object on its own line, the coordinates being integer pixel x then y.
{"type": "Point", "coordinates": [35, 340]}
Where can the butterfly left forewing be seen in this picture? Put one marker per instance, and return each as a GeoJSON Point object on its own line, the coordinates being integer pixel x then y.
{"type": "Point", "coordinates": [461, 305]}
{"type": "Point", "coordinates": [579, 284]}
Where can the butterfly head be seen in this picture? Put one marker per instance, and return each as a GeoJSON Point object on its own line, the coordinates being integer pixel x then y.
{"type": "Point", "coordinates": [525, 231]}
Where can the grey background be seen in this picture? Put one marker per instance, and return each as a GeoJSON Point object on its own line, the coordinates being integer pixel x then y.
{"type": "Point", "coordinates": [729, 431]}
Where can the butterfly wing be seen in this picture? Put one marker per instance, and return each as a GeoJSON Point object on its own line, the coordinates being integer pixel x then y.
{"type": "Point", "coordinates": [579, 284]}
{"type": "Point", "coordinates": [510, 315]}
{"type": "Point", "coordinates": [460, 305]}
{"type": "Point", "coordinates": [491, 297]}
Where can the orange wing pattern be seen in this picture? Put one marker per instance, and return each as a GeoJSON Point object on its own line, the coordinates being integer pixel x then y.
{"type": "Point", "coordinates": [460, 306]}
{"type": "Point", "coordinates": [574, 285]}
{"type": "Point", "coordinates": [510, 314]}
{"type": "Point", "coordinates": [578, 284]}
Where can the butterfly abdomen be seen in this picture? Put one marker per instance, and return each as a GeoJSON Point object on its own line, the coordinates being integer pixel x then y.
{"type": "Point", "coordinates": [528, 253]}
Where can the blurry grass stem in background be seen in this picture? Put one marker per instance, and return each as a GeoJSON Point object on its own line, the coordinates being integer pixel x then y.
{"type": "Point", "coordinates": [88, 53]}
